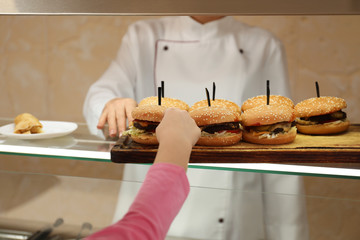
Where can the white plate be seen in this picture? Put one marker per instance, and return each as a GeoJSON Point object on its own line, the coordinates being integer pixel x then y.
{"type": "Point", "coordinates": [50, 129]}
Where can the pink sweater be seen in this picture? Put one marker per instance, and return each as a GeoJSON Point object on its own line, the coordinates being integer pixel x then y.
{"type": "Point", "coordinates": [157, 203]}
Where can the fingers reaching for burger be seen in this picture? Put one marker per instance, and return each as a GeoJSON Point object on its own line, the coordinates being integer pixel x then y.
{"type": "Point", "coordinates": [177, 133]}
{"type": "Point", "coordinates": [146, 119]}
{"type": "Point", "coordinates": [115, 113]}
{"type": "Point", "coordinates": [219, 126]}
{"type": "Point", "coordinates": [154, 124]}
{"type": "Point", "coordinates": [219, 122]}
{"type": "Point", "coordinates": [177, 126]}
{"type": "Point", "coordinates": [147, 116]}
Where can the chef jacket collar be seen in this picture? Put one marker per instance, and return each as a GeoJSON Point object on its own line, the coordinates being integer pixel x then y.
{"type": "Point", "coordinates": [194, 30]}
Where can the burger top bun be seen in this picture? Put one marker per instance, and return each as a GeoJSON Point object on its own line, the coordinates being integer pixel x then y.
{"type": "Point", "coordinates": [167, 102]}
{"type": "Point", "coordinates": [268, 114]}
{"type": "Point", "coordinates": [216, 103]}
{"type": "Point", "coordinates": [319, 106]}
{"type": "Point", "coordinates": [154, 113]}
{"type": "Point", "coordinates": [213, 115]}
{"type": "Point", "coordinates": [262, 100]}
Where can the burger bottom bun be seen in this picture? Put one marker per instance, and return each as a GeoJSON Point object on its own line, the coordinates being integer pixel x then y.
{"type": "Point", "coordinates": [322, 129]}
{"type": "Point", "coordinates": [279, 139]}
{"type": "Point", "coordinates": [145, 139]}
{"type": "Point", "coordinates": [219, 141]}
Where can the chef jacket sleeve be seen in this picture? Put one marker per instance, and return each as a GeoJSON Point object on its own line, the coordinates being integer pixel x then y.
{"type": "Point", "coordinates": [117, 81]}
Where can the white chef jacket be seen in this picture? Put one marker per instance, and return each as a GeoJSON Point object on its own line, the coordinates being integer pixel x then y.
{"type": "Point", "coordinates": [189, 56]}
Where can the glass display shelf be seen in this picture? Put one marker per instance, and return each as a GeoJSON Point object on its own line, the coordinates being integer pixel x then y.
{"type": "Point", "coordinates": [81, 145]}
{"type": "Point", "coordinates": [31, 202]}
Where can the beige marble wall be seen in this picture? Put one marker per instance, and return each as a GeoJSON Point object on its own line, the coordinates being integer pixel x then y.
{"type": "Point", "coordinates": [320, 48]}
{"type": "Point", "coordinates": [333, 207]}
{"type": "Point", "coordinates": [47, 64]}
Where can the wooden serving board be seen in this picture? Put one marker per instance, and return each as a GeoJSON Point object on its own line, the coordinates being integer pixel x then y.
{"type": "Point", "coordinates": [338, 148]}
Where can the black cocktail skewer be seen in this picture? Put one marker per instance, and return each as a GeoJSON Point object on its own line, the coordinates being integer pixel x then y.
{"type": "Point", "coordinates": [162, 89]}
{"type": "Point", "coordinates": [208, 97]}
{"type": "Point", "coordinates": [214, 90]}
{"type": "Point", "coordinates": [267, 92]}
{"type": "Point", "coordinates": [159, 96]}
{"type": "Point", "coordinates": [317, 89]}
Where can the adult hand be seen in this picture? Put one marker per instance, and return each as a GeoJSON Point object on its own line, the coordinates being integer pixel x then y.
{"type": "Point", "coordinates": [177, 133]}
{"type": "Point", "coordinates": [115, 113]}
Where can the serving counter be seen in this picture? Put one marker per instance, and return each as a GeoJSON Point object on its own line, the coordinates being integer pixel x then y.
{"type": "Point", "coordinates": [303, 158]}
{"type": "Point", "coordinates": [331, 156]}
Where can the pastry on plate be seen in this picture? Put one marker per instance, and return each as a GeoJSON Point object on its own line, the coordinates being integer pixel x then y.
{"type": "Point", "coordinates": [26, 123]}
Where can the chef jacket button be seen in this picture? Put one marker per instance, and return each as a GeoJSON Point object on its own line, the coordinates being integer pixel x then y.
{"type": "Point", "coordinates": [166, 48]}
{"type": "Point", "coordinates": [241, 51]}
{"type": "Point", "coordinates": [221, 220]}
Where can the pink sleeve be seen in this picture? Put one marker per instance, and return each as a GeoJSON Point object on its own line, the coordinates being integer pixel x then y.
{"type": "Point", "coordinates": [157, 203]}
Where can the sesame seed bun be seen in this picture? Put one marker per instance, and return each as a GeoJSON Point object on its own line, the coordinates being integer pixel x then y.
{"type": "Point", "coordinates": [319, 106]}
{"type": "Point", "coordinates": [166, 102]}
{"type": "Point", "coordinates": [279, 139]}
{"type": "Point", "coordinates": [153, 113]}
{"type": "Point", "coordinates": [268, 114]}
{"type": "Point", "coordinates": [262, 100]}
{"type": "Point", "coordinates": [326, 128]}
{"type": "Point", "coordinates": [216, 115]}
{"type": "Point", "coordinates": [213, 115]}
{"type": "Point", "coordinates": [216, 103]}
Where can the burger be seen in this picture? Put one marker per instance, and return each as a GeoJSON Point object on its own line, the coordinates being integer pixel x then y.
{"type": "Point", "coordinates": [216, 103]}
{"type": "Point", "coordinates": [219, 126]}
{"type": "Point", "coordinates": [262, 100]}
{"type": "Point", "coordinates": [269, 124]}
{"type": "Point", "coordinates": [321, 115]}
{"type": "Point", "coordinates": [146, 120]}
{"type": "Point", "coordinates": [167, 102]}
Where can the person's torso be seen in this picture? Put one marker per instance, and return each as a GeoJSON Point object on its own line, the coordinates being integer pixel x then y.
{"type": "Point", "coordinates": [190, 59]}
